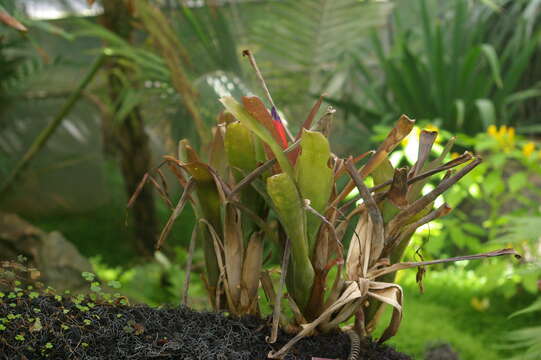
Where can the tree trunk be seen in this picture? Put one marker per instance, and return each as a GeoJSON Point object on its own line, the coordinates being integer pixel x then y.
{"type": "Point", "coordinates": [128, 136]}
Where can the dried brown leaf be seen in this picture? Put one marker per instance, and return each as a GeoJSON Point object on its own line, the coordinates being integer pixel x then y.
{"type": "Point", "coordinates": [426, 141]}
{"type": "Point", "coordinates": [399, 188]}
{"type": "Point", "coordinates": [396, 135]}
{"type": "Point", "coordinates": [408, 265]}
{"type": "Point", "coordinates": [233, 250]}
{"type": "Point", "coordinates": [11, 22]}
{"type": "Point", "coordinates": [251, 271]}
{"type": "Point", "coordinates": [178, 209]}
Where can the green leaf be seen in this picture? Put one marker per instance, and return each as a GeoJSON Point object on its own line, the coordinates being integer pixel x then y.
{"type": "Point", "coordinates": [208, 207]}
{"type": "Point", "coordinates": [494, 184]}
{"type": "Point", "coordinates": [474, 229]}
{"type": "Point", "coordinates": [314, 177]}
{"type": "Point", "coordinates": [240, 113]}
{"type": "Point", "coordinates": [239, 146]}
{"type": "Point", "coordinates": [486, 111]}
{"type": "Point", "coordinates": [536, 306]}
{"type": "Point", "coordinates": [494, 63]}
{"type": "Point", "coordinates": [289, 206]}
{"type": "Point", "coordinates": [518, 181]}
{"type": "Point", "coordinates": [49, 27]}
{"type": "Point", "coordinates": [523, 95]}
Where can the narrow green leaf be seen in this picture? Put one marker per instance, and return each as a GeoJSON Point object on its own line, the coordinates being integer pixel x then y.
{"type": "Point", "coordinates": [494, 63]}
{"type": "Point", "coordinates": [536, 306]}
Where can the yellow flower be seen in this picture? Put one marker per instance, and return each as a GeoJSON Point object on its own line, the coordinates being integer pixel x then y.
{"type": "Point", "coordinates": [454, 155]}
{"type": "Point", "coordinates": [528, 149]}
{"type": "Point", "coordinates": [503, 131]}
{"type": "Point", "coordinates": [511, 133]}
{"type": "Point", "coordinates": [492, 130]}
{"type": "Point", "coordinates": [480, 304]}
{"type": "Point", "coordinates": [504, 135]}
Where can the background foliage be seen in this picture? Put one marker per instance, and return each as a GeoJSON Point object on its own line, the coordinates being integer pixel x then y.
{"type": "Point", "coordinates": [463, 66]}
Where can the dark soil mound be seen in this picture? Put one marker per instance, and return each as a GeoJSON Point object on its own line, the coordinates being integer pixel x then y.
{"type": "Point", "coordinates": [37, 327]}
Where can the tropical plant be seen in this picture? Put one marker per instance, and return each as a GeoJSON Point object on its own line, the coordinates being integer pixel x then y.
{"type": "Point", "coordinates": [21, 59]}
{"type": "Point", "coordinates": [526, 339]}
{"type": "Point", "coordinates": [445, 72]}
{"type": "Point", "coordinates": [184, 77]}
{"type": "Point", "coordinates": [513, 25]}
{"type": "Point", "coordinates": [497, 204]}
{"type": "Point", "coordinates": [307, 43]}
{"type": "Point", "coordinates": [260, 188]}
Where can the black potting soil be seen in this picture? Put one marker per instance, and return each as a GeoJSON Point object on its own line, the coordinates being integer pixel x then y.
{"type": "Point", "coordinates": [39, 327]}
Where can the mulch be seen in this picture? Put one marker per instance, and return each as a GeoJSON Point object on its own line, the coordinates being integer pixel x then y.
{"type": "Point", "coordinates": [44, 326]}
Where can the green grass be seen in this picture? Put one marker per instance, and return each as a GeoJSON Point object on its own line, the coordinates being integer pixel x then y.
{"type": "Point", "coordinates": [444, 314]}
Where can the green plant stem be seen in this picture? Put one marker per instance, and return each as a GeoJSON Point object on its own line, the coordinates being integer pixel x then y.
{"type": "Point", "coordinates": [46, 133]}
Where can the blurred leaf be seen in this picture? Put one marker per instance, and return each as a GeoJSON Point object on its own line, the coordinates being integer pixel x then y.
{"type": "Point", "coordinates": [301, 41]}
{"type": "Point", "coordinates": [486, 111]}
{"type": "Point", "coordinates": [517, 181]}
{"type": "Point", "coordinates": [536, 306]}
{"type": "Point", "coordinates": [50, 28]}
{"type": "Point", "coordinates": [11, 21]}
{"type": "Point", "coordinates": [494, 63]}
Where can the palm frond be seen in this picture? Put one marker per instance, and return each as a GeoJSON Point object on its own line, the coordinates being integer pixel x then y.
{"type": "Point", "coordinates": [306, 41]}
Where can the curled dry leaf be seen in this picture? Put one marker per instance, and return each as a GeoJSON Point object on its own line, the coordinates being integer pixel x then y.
{"type": "Point", "coordinates": [401, 129]}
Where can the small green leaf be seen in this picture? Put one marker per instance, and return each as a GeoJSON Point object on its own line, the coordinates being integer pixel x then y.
{"type": "Point", "coordinates": [88, 276]}
{"type": "Point", "coordinates": [494, 184]}
{"type": "Point", "coordinates": [95, 286]}
{"type": "Point", "coordinates": [517, 181]}
{"type": "Point", "coordinates": [114, 284]}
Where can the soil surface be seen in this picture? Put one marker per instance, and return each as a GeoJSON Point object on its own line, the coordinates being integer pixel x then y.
{"type": "Point", "coordinates": [38, 327]}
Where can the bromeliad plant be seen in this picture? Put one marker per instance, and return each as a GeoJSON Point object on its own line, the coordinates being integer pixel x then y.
{"type": "Point", "coordinates": [261, 187]}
